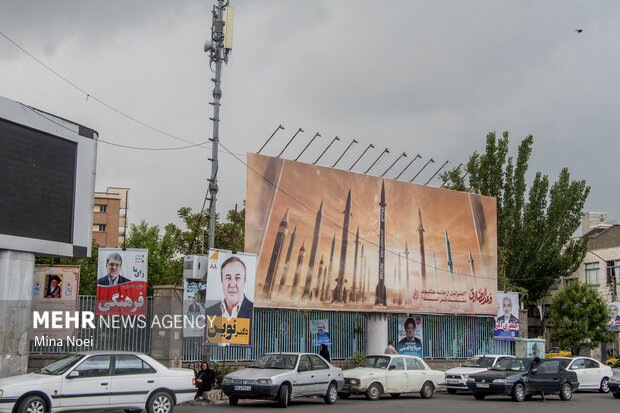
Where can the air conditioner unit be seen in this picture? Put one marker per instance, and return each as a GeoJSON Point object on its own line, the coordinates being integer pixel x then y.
{"type": "Point", "coordinates": [195, 267]}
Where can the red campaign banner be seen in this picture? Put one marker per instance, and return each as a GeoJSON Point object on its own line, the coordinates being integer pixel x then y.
{"type": "Point", "coordinates": [124, 299]}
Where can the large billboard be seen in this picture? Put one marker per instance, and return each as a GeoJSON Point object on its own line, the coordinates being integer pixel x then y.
{"type": "Point", "coordinates": [121, 281]}
{"type": "Point", "coordinates": [335, 240]}
{"type": "Point", "coordinates": [229, 298]}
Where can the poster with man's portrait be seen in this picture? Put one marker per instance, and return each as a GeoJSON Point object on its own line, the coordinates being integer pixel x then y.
{"type": "Point", "coordinates": [409, 335]}
{"type": "Point", "coordinates": [193, 308]}
{"type": "Point", "coordinates": [229, 298]}
{"type": "Point", "coordinates": [55, 289]}
{"type": "Point", "coordinates": [320, 332]}
{"type": "Point", "coordinates": [614, 315]}
{"type": "Point", "coordinates": [121, 281]}
{"type": "Point", "coordinates": [507, 321]}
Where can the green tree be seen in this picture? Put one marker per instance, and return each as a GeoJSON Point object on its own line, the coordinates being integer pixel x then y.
{"type": "Point", "coordinates": [164, 265]}
{"type": "Point", "coordinates": [579, 315]}
{"type": "Point", "coordinates": [534, 240]}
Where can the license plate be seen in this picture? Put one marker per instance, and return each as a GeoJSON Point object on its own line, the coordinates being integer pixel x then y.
{"type": "Point", "coordinates": [243, 388]}
{"type": "Point", "coordinates": [453, 381]}
{"type": "Point", "coordinates": [482, 385]}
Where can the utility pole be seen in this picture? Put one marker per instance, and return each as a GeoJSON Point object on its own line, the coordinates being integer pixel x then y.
{"type": "Point", "coordinates": [219, 48]}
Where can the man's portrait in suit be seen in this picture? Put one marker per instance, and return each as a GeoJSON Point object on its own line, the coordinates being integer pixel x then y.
{"type": "Point", "coordinates": [613, 313]}
{"type": "Point", "coordinates": [507, 316]}
{"type": "Point", "coordinates": [114, 266]}
{"type": "Point", "coordinates": [234, 303]}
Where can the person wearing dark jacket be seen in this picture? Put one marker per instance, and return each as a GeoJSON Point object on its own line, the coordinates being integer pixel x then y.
{"type": "Point", "coordinates": [325, 352]}
{"type": "Point", "coordinates": [205, 380]}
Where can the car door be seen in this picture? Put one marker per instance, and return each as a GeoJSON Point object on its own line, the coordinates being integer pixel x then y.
{"type": "Point", "coordinates": [415, 375]}
{"type": "Point", "coordinates": [396, 376]}
{"type": "Point", "coordinates": [579, 367]}
{"type": "Point", "coordinates": [304, 381]}
{"type": "Point", "coordinates": [132, 380]}
{"type": "Point", "coordinates": [88, 384]}
{"type": "Point", "coordinates": [545, 377]}
{"type": "Point", "coordinates": [594, 371]}
{"type": "Point", "coordinates": [322, 375]}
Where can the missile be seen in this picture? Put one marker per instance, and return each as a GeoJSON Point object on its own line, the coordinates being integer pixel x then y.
{"type": "Point", "coordinates": [287, 261]}
{"type": "Point", "coordinates": [300, 262]}
{"type": "Point", "coordinates": [316, 240]}
{"type": "Point", "coordinates": [275, 256]}
{"type": "Point", "coordinates": [380, 292]}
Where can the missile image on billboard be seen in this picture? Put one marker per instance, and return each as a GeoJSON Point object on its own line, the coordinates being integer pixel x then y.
{"type": "Point", "coordinates": [382, 270]}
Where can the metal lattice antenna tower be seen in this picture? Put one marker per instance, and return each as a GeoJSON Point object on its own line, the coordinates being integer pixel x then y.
{"type": "Point", "coordinates": [219, 48]}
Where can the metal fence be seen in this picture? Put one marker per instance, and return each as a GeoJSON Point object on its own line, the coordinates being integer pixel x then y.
{"type": "Point", "coordinates": [104, 336]}
{"type": "Point", "coordinates": [444, 336]}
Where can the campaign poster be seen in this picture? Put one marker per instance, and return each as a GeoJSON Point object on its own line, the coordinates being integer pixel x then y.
{"type": "Point", "coordinates": [507, 321]}
{"type": "Point", "coordinates": [229, 298]}
{"type": "Point", "coordinates": [320, 332]}
{"type": "Point", "coordinates": [55, 289]}
{"type": "Point", "coordinates": [409, 335]}
{"type": "Point", "coordinates": [614, 316]}
{"type": "Point", "coordinates": [193, 308]}
{"type": "Point", "coordinates": [121, 281]}
{"type": "Point", "coordinates": [335, 240]}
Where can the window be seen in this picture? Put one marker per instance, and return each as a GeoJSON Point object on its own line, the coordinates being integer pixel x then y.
{"type": "Point", "coordinates": [95, 366]}
{"type": "Point", "coordinates": [304, 361]}
{"type": "Point", "coordinates": [126, 364]}
{"type": "Point", "coordinates": [103, 208]}
{"type": "Point", "coordinates": [591, 364]}
{"type": "Point", "coordinates": [592, 273]}
{"type": "Point", "coordinates": [101, 227]}
{"type": "Point", "coordinates": [613, 270]}
{"type": "Point", "coordinates": [570, 281]}
{"type": "Point", "coordinates": [578, 364]}
{"type": "Point", "coordinates": [412, 364]}
{"type": "Point", "coordinates": [397, 364]}
{"type": "Point", "coordinates": [318, 364]}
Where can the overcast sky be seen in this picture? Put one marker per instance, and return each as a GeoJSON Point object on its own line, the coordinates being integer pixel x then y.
{"type": "Point", "coordinates": [427, 77]}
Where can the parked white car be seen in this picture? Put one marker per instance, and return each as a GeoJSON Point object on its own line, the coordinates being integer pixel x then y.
{"type": "Point", "coordinates": [456, 378]}
{"type": "Point", "coordinates": [283, 376]}
{"type": "Point", "coordinates": [592, 374]}
{"type": "Point", "coordinates": [98, 380]}
{"type": "Point", "coordinates": [393, 374]}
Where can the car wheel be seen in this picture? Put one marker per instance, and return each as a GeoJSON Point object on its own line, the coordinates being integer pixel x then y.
{"type": "Point", "coordinates": [518, 392]}
{"type": "Point", "coordinates": [451, 391]}
{"type": "Point", "coordinates": [344, 395]}
{"type": "Point", "coordinates": [332, 394]}
{"type": "Point", "coordinates": [604, 385]}
{"type": "Point", "coordinates": [160, 402]}
{"type": "Point", "coordinates": [233, 401]}
{"type": "Point", "coordinates": [283, 396]}
{"type": "Point", "coordinates": [373, 392]}
{"type": "Point", "coordinates": [617, 395]}
{"type": "Point", "coordinates": [479, 396]}
{"type": "Point", "coordinates": [566, 392]}
{"type": "Point", "coordinates": [32, 404]}
{"type": "Point", "coordinates": [427, 390]}
{"type": "Point", "coordinates": [395, 395]}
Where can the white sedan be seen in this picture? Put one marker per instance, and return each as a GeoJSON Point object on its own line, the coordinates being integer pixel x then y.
{"type": "Point", "coordinates": [592, 375]}
{"type": "Point", "coordinates": [393, 374]}
{"type": "Point", "coordinates": [98, 380]}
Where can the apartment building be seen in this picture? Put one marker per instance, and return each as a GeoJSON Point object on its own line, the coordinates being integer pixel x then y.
{"type": "Point", "coordinates": [110, 217]}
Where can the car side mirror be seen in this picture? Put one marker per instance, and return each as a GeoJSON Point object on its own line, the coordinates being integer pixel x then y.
{"type": "Point", "coordinates": [302, 368]}
{"type": "Point", "coordinates": [73, 374]}
{"type": "Point", "coordinates": [534, 370]}
{"type": "Point", "coordinates": [392, 368]}
{"type": "Point", "coordinates": [573, 367]}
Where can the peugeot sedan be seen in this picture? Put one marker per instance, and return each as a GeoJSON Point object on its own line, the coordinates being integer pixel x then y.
{"type": "Point", "coordinates": [456, 378]}
{"type": "Point", "coordinates": [393, 374]}
{"type": "Point", "coordinates": [592, 374]}
{"type": "Point", "coordinates": [98, 380]}
{"type": "Point", "coordinates": [283, 376]}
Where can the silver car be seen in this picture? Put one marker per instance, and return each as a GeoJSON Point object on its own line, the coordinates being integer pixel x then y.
{"type": "Point", "coordinates": [282, 376]}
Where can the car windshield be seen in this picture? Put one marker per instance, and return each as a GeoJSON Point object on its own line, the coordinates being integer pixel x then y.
{"type": "Point", "coordinates": [61, 365]}
{"type": "Point", "coordinates": [512, 365]}
{"type": "Point", "coordinates": [483, 362]}
{"type": "Point", "coordinates": [275, 361]}
{"type": "Point", "coordinates": [375, 362]}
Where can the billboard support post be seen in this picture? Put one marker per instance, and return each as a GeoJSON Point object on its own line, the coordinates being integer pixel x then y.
{"type": "Point", "coordinates": [378, 324]}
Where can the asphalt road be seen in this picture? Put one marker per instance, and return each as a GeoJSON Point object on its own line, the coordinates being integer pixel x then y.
{"type": "Point", "coordinates": [440, 403]}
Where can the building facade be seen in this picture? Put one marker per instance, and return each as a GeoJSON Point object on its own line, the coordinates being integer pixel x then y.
{"type": "Point", "coordinates": [110, 223]}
